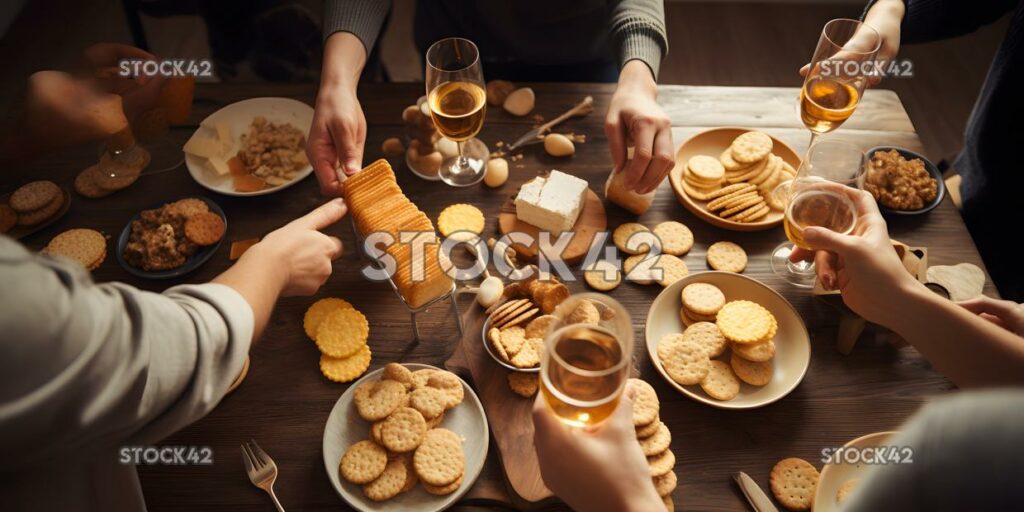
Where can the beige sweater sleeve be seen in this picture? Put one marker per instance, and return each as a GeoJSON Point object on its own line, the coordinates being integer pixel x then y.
{"type": "Point", "coordinates": [103, 365]}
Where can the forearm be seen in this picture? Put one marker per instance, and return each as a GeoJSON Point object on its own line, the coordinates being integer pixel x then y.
{"type": "Point", "coordinates": [344, 59]}
{"type": "Point", "coordinates": [259, 280]}
{"type": "Point", "coordinates": [883, 13]}
{"type": "Point", "coordinates": [637, 76]}
{"type": "Point", "coordinates": [930, 20]}
{"type": "Point", "coordinates": [966, 348]}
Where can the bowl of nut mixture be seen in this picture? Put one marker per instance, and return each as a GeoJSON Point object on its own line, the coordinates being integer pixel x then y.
{"type": "Point", "coordinates": [902, 181]}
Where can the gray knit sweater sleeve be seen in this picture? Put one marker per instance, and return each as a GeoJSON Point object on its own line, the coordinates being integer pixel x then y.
{"type": "Point", "coordinates": [363, 18]}
{"type": "Point", "coordinates": [637, 27]}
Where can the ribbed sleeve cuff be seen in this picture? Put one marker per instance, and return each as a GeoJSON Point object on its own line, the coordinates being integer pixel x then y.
{"type": "Point", "coordinates": [363, 18]}
{"type": "Point", "coordinates": [644, 40]}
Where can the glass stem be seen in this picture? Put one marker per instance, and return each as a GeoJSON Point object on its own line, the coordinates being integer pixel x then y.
{"type": "Point", "coordinates": [814, 137]}
{"type": "Point", "coordinates": [459, 144]}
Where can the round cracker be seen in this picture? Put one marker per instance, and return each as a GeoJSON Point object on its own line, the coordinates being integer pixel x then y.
{"type": "Point", "coordinates": [342, 332]}
{"type": "Point", "coordinates": [751, 147]}
{"type": "Point", "coordinates": [603, 276]}
{"type": "Point", "coordinates": [461, 217]}
{"type": "Point", "coordinates": [755, 374]}
{"type": "Point", "coordinates": [686, 362]}
{"type": "Point", "coordinates": [375, 400]}
{"type": "Point", "coordinates": [403, 430]}
{"type": "Point", "coordinates": [389, 483]}
{"type": "Point", "coordinates": [672, 269]}
{"type": "Point", "coordinates": [318, 311]}
{"type": "Point", "coordinates": [706, 168]}
{"type": "Point", "coordinates": [727, 256]}
{"type": "Point", "coordinates": [676, 238]}
{"type": "Point", "coordinates": [523, 384]}
{"type": "Point", "coordinates": [345, 369]}
{"type": "Point", "coordinates": [793, 482]}
{"type": "Point", "coordinates": [206, 228]}
{"type": "Point", "coordinates": [363, 462]}
{"type": "Point", "coordinates": [702, 298]}
{"type": "Point", "coordinates": [85, 184]}
{"type": "Point", "coordinates": [33, 196]}
{"type": "Point", "coordinates": [439, 460]}
{"type": "Point", "coordinates": [43, 214]}
{"type": "Point", "coordinates": [720, 383]}
{"type": "Point", "coordinates": [85, 246]}
{"type": "Point", "coordinates": [708, 336]}
{"type": "Point", "coordinates": [632, 238]}
{"type": "Point", "coordinates": [743, 321]}
{"type": "Point", "coordinates": [645, 403]}
{"type": "Point", "coordinates": [658, 442]}
{"type": "Point", "coordinates": [756, 352]}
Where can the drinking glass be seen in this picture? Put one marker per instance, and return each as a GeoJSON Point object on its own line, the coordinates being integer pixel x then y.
{"type": "Point", "coordinates": [586, 359]}
{"type": "Point", "coordinates": [458, 102]}
{"type": "Point", "coordinates": [839, 70]}
{"type": "Point", "coordinates": [816, 197]}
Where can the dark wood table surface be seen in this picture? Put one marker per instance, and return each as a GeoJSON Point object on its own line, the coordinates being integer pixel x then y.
{"type": "Point", "coordinates": [285, 402]}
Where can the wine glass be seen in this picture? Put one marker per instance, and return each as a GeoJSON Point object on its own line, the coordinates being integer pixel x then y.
{"type": "Point", "coordinates": [839, 70]}
{"type": "Point", "coordinates": [458, 103]}
{"type": "Point", "coordinates": [586, 359]}
{"type": "Point", "coordinates": [816, 197]}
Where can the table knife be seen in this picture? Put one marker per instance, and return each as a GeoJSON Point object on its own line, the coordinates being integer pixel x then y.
{"type": "Point", "coordinates": [758, 500]}
{"type": "Point", "coordinates": [537, 134]}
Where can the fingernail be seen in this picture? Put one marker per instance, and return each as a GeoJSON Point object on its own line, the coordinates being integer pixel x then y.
{"type": "Point", "coordinates": [829, 281]}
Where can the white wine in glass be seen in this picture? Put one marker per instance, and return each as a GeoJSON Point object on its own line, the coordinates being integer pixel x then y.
{"type": "Point", "coordinates": [458, 105]}
{"type": "Point", "coordinates": [818, 197]}
{"type": "Point", "coordinates": [839, 70]}
{"type": "Point", "coordinates": [584, 367]}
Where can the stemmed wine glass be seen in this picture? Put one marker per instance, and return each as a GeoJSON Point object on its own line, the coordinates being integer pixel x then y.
{"type": "Point", "coordinates": [816, 198]}
{"type": "Point", "coordinates": [839, 70]}
{"type": "Point", "coordinates": [458, 102]}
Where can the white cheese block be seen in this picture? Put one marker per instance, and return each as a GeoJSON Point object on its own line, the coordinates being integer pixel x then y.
{"type": "Point", "coordinates": [551, 204]}
{"type": "Point", "coordinates": [204, 146]}
{"type": "Point", "coordinates": [218, 165]}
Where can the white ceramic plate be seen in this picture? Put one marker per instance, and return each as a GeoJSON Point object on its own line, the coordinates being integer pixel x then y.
{"type": "Point", "coordinates": [833, 476]}
{"type": "Point", "coordinates": [345, 428]}
{"type": "Point", "coordinates": [238, 117]}
{"type": "Point", "coordinates": [792, 343]}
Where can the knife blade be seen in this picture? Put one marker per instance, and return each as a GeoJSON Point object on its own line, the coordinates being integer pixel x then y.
{"type": "Point", "coordinates": [535, 135]}
{"type": "Point", "coordinates": [759, 501]}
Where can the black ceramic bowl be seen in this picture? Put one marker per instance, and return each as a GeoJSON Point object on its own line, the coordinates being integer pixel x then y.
{"type": "Point", "coordinates": [940, 193]}
{"type": "Point", "coordinates": [197, 259]}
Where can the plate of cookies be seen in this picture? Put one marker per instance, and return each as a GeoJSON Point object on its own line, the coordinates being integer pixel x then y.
{"type": "Point", "coordinates": [726, 177]}
{"type": "Point", "coordinates": [841, 476]}
{"type": "Point", "coordinates": [727, 340]}
{"type": "Point", "coordinates": [32, 207]}
{"type": "Point", "coordinates": [405, 437]}
{"type": "Point", "coordinates": [171, 239]}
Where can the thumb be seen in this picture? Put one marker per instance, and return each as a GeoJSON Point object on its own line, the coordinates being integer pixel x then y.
{"type": "Point", "coordinates": [804, 70]}
{"type": "Point", "coordinates": [350, 153]}
{"type": "Point", "coordinates": [325, 215]}
{"type": "Point", "coordinates": [825, 239]}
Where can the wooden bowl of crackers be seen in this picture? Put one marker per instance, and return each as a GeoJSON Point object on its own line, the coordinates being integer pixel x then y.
{"type": "Point", "coordinates": [726, 177]}
{"type": "Point", "coordinates": [727, 340]}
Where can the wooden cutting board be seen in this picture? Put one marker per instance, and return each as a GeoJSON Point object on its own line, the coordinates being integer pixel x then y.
{"type": "Point", "coordinates": [592, 220]}
{"type": "Point", "coordinates": [508, 414]}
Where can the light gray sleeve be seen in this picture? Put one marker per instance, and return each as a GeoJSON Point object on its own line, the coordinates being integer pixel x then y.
{"type": "Point", "coordinates": [637, 28]}
{"type": "Point", "coordinates": [90, 365]}
{"type": "Point", "coordinates": [363, 18]}
{"type": "Point", "coordinates": [968, 454]}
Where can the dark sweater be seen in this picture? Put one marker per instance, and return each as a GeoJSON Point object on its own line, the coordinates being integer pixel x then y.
{"type": "Point", "coordinates": [991, 162]}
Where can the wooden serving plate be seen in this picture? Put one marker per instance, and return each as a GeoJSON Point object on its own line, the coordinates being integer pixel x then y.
{"type": "Point", "coordinates": [712, 143]}
{"type": "Point", "coordinates": [592, 221]}
{"type": "Point", "coordinates": [18, 232]}
{"type": "Point", "coordinates": [509, 415]}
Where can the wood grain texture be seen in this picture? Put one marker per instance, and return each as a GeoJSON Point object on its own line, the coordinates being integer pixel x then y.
{"type": "Point", "coordinates": [285, 401]}
{"type": "Point", "coordinates": [592, 220]}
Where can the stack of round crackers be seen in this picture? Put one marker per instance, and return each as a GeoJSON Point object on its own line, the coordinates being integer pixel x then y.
{"type": "Point", "coordinates": [31, 205]}
{"type": "Point", "coordinates": [670, 239]}
{"type": "Point", "coordinates": [655, 439]}
{"type": "Point", "coordinates": [85, 246]}
{"type": "Point", "coordinates": [743, 327]}
{"type": "Point", "coordinates": [406, 446]}
{"type": "Point", "coordinates": [119, 175]}
{"type": "Point", "coordinates": [340, 332]}
{"type": "Point", "coordinates": [738, 185]}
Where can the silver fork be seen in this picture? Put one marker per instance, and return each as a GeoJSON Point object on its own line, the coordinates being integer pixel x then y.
{"type": "Point", "coordinates": [261, 469]}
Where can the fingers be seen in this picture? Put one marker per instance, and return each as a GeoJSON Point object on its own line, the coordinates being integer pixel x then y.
{"type": "Point", "coordinates": [804, 70]}
{"type": "Point", "coordinates": [801, 254]}
{"type": "Point", "coordinates": [988, 305]}
{"type": "Point", "coordinates": [325, 215]}
{"type": "Point", "coordinates": [826, 268]}
{"type": "Point", "coordinates": [662, 162]}
{"type": "Point", "coordinates": [349, 147]}
{"type": "Point", "coordinates": [336, 247]}
{"type": "Point", "coordinates": [643, 132]}
{"type": "Point", "coordinates": [825, 239]}
{"type": "Point", "coordinates": [323, 157]}
{"type": "Point", "coordinates": [616, 135]}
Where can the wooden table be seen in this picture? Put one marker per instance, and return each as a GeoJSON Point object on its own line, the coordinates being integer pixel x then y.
{"type": "Point", "coordinates": [285, 402]}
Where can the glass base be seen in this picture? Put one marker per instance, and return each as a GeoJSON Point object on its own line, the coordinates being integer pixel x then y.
{"type": "Point", "coordinates": [469, 167]}
{"type": "Point", "coordinates": [800, 274]}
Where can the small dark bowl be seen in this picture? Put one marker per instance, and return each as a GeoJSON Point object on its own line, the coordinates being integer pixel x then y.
{"type": "Point", "coordinates": [197, 259]}
{"type": "Point", "coordinates": [940, 192]}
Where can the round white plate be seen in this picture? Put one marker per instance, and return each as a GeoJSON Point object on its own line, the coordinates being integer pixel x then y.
{"type": "Point", "coordinates": [239, 116]}
{"type": "Point", "coordinates": [792, 343]}
{"type": "Point", "coordinates": [833, 476]}
{"type": "Point", "coordinates": [345, 428]}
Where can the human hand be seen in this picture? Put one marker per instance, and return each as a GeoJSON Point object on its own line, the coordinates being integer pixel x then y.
{"type": "Point", "coordinates": [634, 116]}
{"type": "Point", "coordinates": [339, 127]}
{"type": "Point", "coordinates": [863, 265]}
{"type": "Point", "coordinates": [600, 469]}
{"type": "Point", "coordinates": [101, 61]}
{"type": "Point", "coordinates": [302, 254]}
{"type": "Point", "coordinates": [1004, 313]}
{"type": "Point", "coordinates": [885, 17]}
